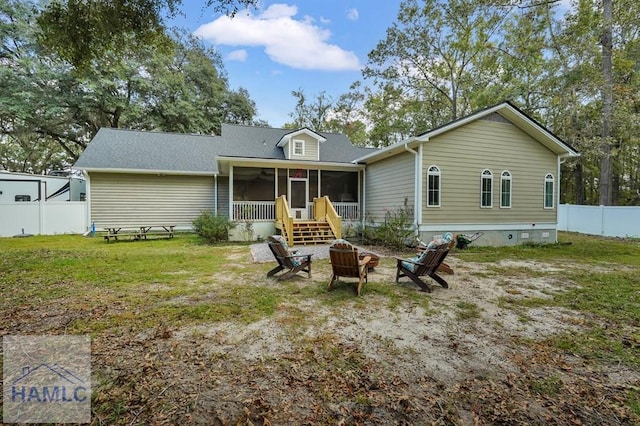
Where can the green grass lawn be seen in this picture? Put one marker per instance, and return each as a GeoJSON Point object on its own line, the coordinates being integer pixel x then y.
{"type": "Point", "coordinates": [79, 285]}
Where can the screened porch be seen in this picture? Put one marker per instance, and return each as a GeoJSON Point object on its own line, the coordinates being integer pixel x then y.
{"type": "Point", "coordinates": [255, 190]}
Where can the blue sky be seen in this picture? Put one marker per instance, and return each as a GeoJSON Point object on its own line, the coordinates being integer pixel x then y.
{"type": "Point", "coordinates": [313, 45]}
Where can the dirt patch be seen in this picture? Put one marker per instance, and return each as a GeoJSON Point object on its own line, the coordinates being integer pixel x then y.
{"type": "Point", "coordinates": [455, 358]}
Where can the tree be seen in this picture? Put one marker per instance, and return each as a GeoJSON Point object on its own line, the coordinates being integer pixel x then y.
{"type": "Point", "coordinates": [607, 104]}
{"type": "Point", "coordinates": [50, 111]}
{"type": "Point", "coordinates": [81, 31]}
{"type": "Point", "coordinates": [311, 114]}
{"type": "Point", "coordinates": [431, 51]}
{"type": "Point", "coordinates": [347, 116]}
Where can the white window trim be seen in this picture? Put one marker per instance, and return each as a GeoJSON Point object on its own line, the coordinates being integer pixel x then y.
{"type": "Point", "coordinates": [489, 177]}
{"type": "Point", "coordinates": [295, 143]}
{"type": "Point", "coordinates": [548, 178]}
{"type": "Point", "coordinates": [509, 177]}
{"type": "Point", "coordinates": [439, 174]}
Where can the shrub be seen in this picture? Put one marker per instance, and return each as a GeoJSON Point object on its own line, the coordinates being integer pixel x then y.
{"type": "Point", "coordinates": [212, 228]}
{"type": "Point", "coordinates": [397, 227]}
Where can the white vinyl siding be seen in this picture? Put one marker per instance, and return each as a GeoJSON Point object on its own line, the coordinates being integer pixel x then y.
{"type": "Point", "coordinates": [124, 199]}
{"type": "Point", "coordinates": [388, 183]}
{"type": "Point", "coordinates": [462, 154]}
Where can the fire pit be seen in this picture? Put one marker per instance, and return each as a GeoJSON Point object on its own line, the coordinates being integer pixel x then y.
{"type": "Point", "coordinates": [375, 259]}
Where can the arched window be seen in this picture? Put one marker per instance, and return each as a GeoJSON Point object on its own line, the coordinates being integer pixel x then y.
{"type": "Point", "coordinates": [505, 190]}
{"type": "Point", "coordinates": [433, 186]}
{"type": "Point", "coordinates": [549, 182]}
{"type": "Point", "coordinates": [486, 189]}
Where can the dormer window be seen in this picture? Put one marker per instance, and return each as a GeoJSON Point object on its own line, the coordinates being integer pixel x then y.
{"type": "Point", "coordinates": [298, 147]}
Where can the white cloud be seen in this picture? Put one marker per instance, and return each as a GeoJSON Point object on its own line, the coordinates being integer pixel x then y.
{"type": "Point", "coordinates": [239, 55]}
{"type": "Point", "coordinates": [353, 14]}
{"type": "Point", "coordinates": [295, 43]}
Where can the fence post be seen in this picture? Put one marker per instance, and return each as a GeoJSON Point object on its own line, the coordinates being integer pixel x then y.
{"type": "Point", "coordinates": [602, 220]}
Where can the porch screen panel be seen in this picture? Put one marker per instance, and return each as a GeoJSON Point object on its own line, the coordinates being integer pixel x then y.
{"type": "Point", "coordinates": [253, 184]}
{"type": "Point", "coordinates": [282, 182]}
{"type": "Point", "coordinates": [339, 186]}
{"type": "Point", "coordinates": [313, 184]}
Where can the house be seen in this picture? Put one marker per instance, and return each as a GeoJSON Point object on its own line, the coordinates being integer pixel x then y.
{"type": "Point", "coordinates": [267, 176]}
{"type": "Point", "coordinates": [496, 171]}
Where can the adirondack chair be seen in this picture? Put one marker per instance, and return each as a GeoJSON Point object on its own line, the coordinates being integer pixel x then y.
{"type": "Point", "coordinates": [289, 261]}
{"type": "Point", "coordinates": [346, 262]}
{"type": "Point", "coordinates": [426, 264]}
{"type": "Point", "coordinates": [444, 267]}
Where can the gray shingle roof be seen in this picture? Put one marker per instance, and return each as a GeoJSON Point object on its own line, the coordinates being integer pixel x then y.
{"type": "Point", "coordinates": [152, 151]}
{"type": "Point", "coordinates": [173, 152]}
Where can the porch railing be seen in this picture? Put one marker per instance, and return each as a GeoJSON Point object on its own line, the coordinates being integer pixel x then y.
{"type": "Point", "coordinates": [347, 211]}
{"type": "Point", "coordinates": [254, 211]}
{"type": "Point", "coordinates": [324, 210]}
{"type": "Point", "coordinates": [283, 216]}
{"type": "Point", "coordinates": [265, 211]}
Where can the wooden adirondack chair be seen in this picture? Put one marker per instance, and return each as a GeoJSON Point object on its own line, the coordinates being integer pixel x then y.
{"type": "Point", "coordinates": [426, 264]}
{"type": "Point", "coordinates": [288, 261]}
{"type": "Point", "coordinates": [444, 267]}
{"type": "Point", "coordinates": [346, 262]}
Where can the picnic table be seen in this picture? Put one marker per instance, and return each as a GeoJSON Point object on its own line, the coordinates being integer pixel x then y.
{"type": "Point", "coordinates": [138, 232]}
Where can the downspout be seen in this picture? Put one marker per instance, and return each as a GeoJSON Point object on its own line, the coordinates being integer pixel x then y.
{"type": "Point", "coordinates": [215, 194]}
{"type": "Point", "coordinates": [87, 202]}
{"type": "Point", "coordinates": [230, 193]}
{"type": "Point", "coordinates": [557, 187]}
{"type": "Point", "coordinates": [363, 197]}
{"type": "Point", "coordinates": [416, 185]}
{"type": "Point", "coordinates": [560, 161]}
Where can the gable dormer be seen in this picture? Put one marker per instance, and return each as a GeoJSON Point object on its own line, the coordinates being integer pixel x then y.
{"type": "Point", "coordinates": [303, 144]}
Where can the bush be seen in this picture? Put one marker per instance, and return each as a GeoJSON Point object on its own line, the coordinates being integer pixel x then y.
{"type": "Point", "coordinates": [396, 229]}
{"type": "Point", "coordinates": [212, 228]}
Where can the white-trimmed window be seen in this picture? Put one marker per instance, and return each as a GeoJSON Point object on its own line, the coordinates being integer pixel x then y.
{"type": "Point", "coordinates": [549, 183]}
{"type": "Point", "coordinates": [505, 190]}
{"type": "Point", "coordinates": [298, 147]}
{"type": "Point", "coordinates": [486, 189]}
{"type": "Point", "coordinates": [433, 186]}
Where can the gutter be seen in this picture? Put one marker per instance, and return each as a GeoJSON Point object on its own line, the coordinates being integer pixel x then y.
{"type": "Point", "coordinates": [147, 171]}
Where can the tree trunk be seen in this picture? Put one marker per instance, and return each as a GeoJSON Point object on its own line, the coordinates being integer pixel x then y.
{"type": "Point", "coordinates": [579, 182]}
{"type": "Point", "coordinates": [607, 106]}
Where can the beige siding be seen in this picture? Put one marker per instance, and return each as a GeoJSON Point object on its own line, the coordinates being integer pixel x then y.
{"type": "Point", "coordinates": [119, 199]}
{"type": "Point", "coordinates": [388, 183]}
{"type": "Point", "coordinates": [311, 148]}
{"type": "Point", "coordinates": [464, 153]}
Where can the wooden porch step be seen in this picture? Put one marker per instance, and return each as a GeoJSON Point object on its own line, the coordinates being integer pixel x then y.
{"type": "Point", "coordinates": [312, 232]}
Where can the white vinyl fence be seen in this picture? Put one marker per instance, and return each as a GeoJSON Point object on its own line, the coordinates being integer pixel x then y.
{"type": "Point", "coordinates": [608, 221]}
{"type": "Point", "coordinates": [43, 217]}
